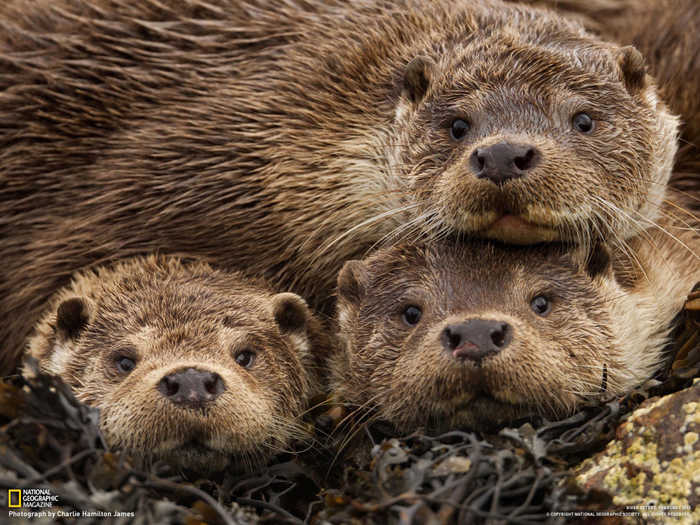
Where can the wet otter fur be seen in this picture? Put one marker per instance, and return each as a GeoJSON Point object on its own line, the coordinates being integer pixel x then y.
{"type": "Point", "coordinates": [479, 334]}
{"type": "Point", "coordinates": [662, 30]}
{"type": "Point", "coordinates": [288, 137]}
{"type": "Point", "coordinates": [203, 369]}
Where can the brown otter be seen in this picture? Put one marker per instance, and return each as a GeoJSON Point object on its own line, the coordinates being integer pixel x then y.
{"type": "Point", "coordinates": [478, 334]}
{"type": "Point", "coordinates": [203, 369]}
{"type": "Point", "coordinates": [290, 136]}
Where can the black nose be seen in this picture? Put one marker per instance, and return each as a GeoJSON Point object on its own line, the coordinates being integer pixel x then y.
{"type": "Point", "coordinates": [191, 387]}
{"type": "Point", "coordinates": [476, 338]}
{"type": "Point", "coordinates": [503, 161]}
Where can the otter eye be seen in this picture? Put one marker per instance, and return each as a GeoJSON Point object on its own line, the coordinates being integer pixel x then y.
{"type": "Point", "coordinates": [459, 128]}
{"type": "Point", "coordinates": [541, 305]}
{"type": "Point", "coordinates": [582, 122]}
{"type": "Point", "coordinates": [411, 315]}
{"type": "Point", "coordinates": [245, 358]}
{"type": "Point", "coordinates": [125, 364]}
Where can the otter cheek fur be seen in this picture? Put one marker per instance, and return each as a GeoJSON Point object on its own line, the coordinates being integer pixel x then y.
{"type": "Point", "coordinates": [199, 368]}
{"type": "Point", "coordinates": [477, 335]}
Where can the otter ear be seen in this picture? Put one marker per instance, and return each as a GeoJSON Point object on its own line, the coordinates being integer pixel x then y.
{"type": "Point", "coordinates": [72, 316]}
{"type": "Point", "coordinates": [416, 78]}
{"type": "Point", "coordinates": [598, 261]}
{"type": "Point", "coordinates": [291, 312]}
{"type": "Point", "coordinates": [594, 261]}
{"type": "Point", "coordinates": [352, 281]}
{"type": "Point", "coordinates": [633, 69]}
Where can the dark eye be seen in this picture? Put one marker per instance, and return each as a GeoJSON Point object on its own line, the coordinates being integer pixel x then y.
{"type": "Point", "coordinates": [459, 128]}
{"type": "Point", "coordinates": [411, 315]}
{"type": "Point", "coordinates": [541, 305]}
{"type": "Point", "coordinates": [245, 358]}
{"type": "Point", "coordinates": [125, 364]}
{"type": "Point", "coordinates": [583, 122]}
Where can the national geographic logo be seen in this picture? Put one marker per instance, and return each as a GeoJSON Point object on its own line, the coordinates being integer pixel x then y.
{"type": "Point", "coordinates": [35, 504]}
{"type": "Point", "coordinates": [31, 498]}
{"type": "Point", "coordinates": [14, 498]}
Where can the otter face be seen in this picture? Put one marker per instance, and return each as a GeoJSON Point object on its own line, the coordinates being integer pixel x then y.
{"type": "Point", "coordinates": [528, 134]}
{"type": "Point", "coordinates": [475, 335]}
{"type": "Point", "coordinates": [190, 366]}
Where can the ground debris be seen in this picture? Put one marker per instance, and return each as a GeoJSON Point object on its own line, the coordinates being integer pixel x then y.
{"type": "Point", "coordinates": [49, 440]}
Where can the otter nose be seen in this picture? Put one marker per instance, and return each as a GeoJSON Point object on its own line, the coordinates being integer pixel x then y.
{"type": "Point", "coordinates": [503, 161]}
{"type": "Point", "coordinates": [191, 387]}
{"type": "Point", "coordinates": [476, 338]}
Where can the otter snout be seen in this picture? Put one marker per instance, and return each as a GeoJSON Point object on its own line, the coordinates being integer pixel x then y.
{"type": "Point", "coordinates": [476, 338]}
{"type": "Point", "coordinates": [503, 161]}
{"type": "Point", "coordinates": [191, 387]}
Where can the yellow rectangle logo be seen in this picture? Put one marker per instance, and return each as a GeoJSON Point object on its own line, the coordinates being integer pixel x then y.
{"type": "Point", "coordinates": [18, 494]}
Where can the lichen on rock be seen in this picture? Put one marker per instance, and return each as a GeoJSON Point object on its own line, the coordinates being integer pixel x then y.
{"type": "Point", "coordinates": [653, 465]}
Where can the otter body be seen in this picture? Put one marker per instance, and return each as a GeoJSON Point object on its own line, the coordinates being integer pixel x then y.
{"type": "Point", "coordinates": [477, 334]}
{"type": "Point", "coordinates": [288, 137]}
{"type": "Point", "coordinates": [197, 367]}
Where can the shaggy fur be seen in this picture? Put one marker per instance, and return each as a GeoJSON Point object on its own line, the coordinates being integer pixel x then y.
{"type": "Point", "coordinates": [664, 32]}
{"type": "Point", "coordinates": [167, 316]}
{"type": "Point", "coordinates": [288, 136]}
{"type": "Point", "coordinates": [600, 337]}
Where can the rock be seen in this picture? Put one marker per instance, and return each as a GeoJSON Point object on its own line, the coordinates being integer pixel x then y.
{"type": "Point", "coordinates": [653, 465]}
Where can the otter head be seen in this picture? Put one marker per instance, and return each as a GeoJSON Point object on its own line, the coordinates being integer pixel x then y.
{"type": "Point", "coordinates": [476, 335]}
{"type": "Point", "coordinates": [186, 364]}
{"type": "Point", "coordinates": [525, 129]}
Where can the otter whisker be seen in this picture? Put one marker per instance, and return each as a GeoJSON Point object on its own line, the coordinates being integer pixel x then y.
{"type": "Point", "coordinates": [673, 189]}
{"type": "Point", "coordinates": [365, 223]}
{"type": "Point", "coordinates": [348, 418]}
{"type": "Point", "coordinates": [669, 234]}
{"type": "Point", "coordinates": [327, 401]}
{"type": "Point", "coordinates": [417, 222]}
{"type": "Point", "coordinates": [677, 216]}
{"type": "Point", "coordinates": [604, 385]}
{"type": "Point", "coordinates": [619, 242]}
{"type": "Point", "coordinates": [366, 417]}
{"type": "Point", "coordinates": [595, 383]}
{"type": "Point", "coordinates": [641, 227]}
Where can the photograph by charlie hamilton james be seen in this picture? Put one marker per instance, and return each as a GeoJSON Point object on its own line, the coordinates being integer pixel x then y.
{"type": "Point", "coordinates": [356, 262]}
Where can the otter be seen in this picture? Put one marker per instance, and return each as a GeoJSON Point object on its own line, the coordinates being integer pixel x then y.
{"type": "Point", "coordinates": [288, 137]}
{"type": "Point", "coordinates": [477, 334]}
{"type": "Point", "coordinates": [197, 367]}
